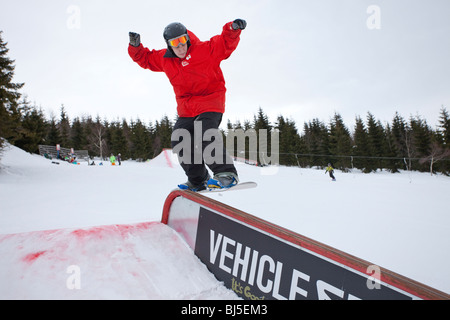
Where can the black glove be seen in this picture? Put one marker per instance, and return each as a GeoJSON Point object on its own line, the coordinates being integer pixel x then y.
{"type": "Point", "coordinates": [135, 39]}
{"type": "Point", "coordinates": [239, 24]}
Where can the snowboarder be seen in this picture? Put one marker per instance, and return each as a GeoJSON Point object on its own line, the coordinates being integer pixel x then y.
{"type": "Point", "coordinates": [119, 159]}
{"type": "Point", "coordinates": [330, 170]}
{"type": "Point", "coordinates": [193, 69]}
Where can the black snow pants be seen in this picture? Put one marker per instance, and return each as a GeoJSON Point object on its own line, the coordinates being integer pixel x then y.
{"type": "Point", "coordinates": [190, 132]}
{"type": "Point", "coordinates": [332, 175]}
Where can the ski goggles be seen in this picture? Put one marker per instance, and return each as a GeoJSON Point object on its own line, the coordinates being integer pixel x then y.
{"type": "Point", "coordinates": [175, 42]}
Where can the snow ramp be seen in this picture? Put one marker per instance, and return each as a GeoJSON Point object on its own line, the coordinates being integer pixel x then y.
{"type": "Point", "coordinates": [137, 261]}
{"type": "Point", "coordinates": [259, 260]}
{"type": "Point", "coordinates": [165, 159]}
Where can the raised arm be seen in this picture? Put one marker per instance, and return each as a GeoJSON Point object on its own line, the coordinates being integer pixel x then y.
{"type": "Point", "coordinates": [147, 59]}
{"type": "Point", "coordinates": [225, 43]}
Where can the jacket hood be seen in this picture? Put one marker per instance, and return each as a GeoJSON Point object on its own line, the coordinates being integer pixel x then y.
{"type": "Point", "coordinates": [192, 40]}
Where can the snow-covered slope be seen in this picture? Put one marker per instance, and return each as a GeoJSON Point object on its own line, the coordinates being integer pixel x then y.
{"type": "Point", "coordinates": [398, 221]}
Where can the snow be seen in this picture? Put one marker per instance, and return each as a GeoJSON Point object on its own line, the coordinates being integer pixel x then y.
{"type": "Point", "coordinates": [142, 261]}
{"type": "Point", "coordinates": [58, 221]}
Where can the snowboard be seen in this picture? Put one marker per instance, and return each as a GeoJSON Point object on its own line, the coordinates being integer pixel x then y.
{"type": "Point", "coordinates": [239, 186]}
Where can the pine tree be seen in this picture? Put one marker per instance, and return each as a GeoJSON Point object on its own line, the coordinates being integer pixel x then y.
{"type": "Point", "coordinates": [140, 141]}
{"type": "Point", "coordinates": [377, 142]}
{"type": "Point", "coordinates": [289, 141]}
{"type": "Point", "coordinates": [391, 151]}
{"type": "Point", "coordinates": [443, 138]}
{"type": "Point", "coordinates": [53, 138]}
{"type": "Point", "coordinates": [444, 128]}
{"type": "Point", "coordinates": [401, 138]}
{"type": "Point", "coordinates": [117, 141]}
{"type": "Point", "coordinates": [261, 122]}
{"type": "Point", "coordinates": [361, 147]}
{"type": "Point", "coordinates": [399, 134]}
{"type": "Point", "coordinates": [162, 135]}
{"type": "Point", "coordinates": [18, 135]}
{"type": "Point", "coordinates": [9, 95]}
{"type": "Point", "coordinates": [64, 129]}
{"type": "Point", "coordinates": [316, 141]}
{"type": "Point", "coordinates": [126, 132]}
{"type": "Point", "coordinates": [421, 140]}
{"type": "Point", "coordinates": [33, 128]}
{"type": "Point", "coordinates": [340, 142]}
{"type": "Point", "coordinates": [78, 137]}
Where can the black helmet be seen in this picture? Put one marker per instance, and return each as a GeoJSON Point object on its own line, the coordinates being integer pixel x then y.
{"type": "Point", "coordinates": [174, 30]}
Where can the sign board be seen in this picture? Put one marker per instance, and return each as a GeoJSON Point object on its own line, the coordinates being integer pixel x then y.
{"type": "Point", "coordinates": [259, 260]}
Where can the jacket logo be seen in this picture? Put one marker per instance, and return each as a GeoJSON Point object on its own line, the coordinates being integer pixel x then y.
{"type": "Point", "coordinates": [185, 62]}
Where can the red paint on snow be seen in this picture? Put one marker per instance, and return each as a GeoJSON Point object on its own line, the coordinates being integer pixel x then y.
{"type": "Point", "coordinates": [101, 231]}
{"type": "Point", "coordinates": [166, 155]}
{"type": "Point", "coordinates": [83, 233]}
{"type": "Point", "coordinates": [30, 258]}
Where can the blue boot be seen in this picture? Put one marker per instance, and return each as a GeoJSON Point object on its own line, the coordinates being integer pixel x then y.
{"type": "Point", "coordinates": [223, 180]}
{"type": "Point", "coordinates": [190, 186]}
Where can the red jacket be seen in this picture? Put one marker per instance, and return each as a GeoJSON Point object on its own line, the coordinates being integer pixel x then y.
{"type": "Point", "coordinates": [197, 79]}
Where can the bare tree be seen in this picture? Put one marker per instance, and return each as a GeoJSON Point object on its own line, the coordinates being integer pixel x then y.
{"type": "Point", "coordinates": [437, 153]}
{"type": "Point", "coordinates": [97, 138]}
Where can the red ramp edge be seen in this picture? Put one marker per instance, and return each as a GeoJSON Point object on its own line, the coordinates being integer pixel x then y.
{"type": "Point", "coordinates": [391, 278]}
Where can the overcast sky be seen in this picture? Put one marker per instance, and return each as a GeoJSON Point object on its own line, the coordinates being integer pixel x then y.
{"type": "Point", "coordinates": [302, 59]}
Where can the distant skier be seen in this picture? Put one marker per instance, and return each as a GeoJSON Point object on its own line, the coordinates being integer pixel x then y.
{"type": "Point", "coordinates": [119, 159]}
{"type": "Point", "coordinates": [193, 69]}
{"type": "Point", "coordinates": [330, 170]}
{"type": "Point", "coordinates": [112, 159]}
